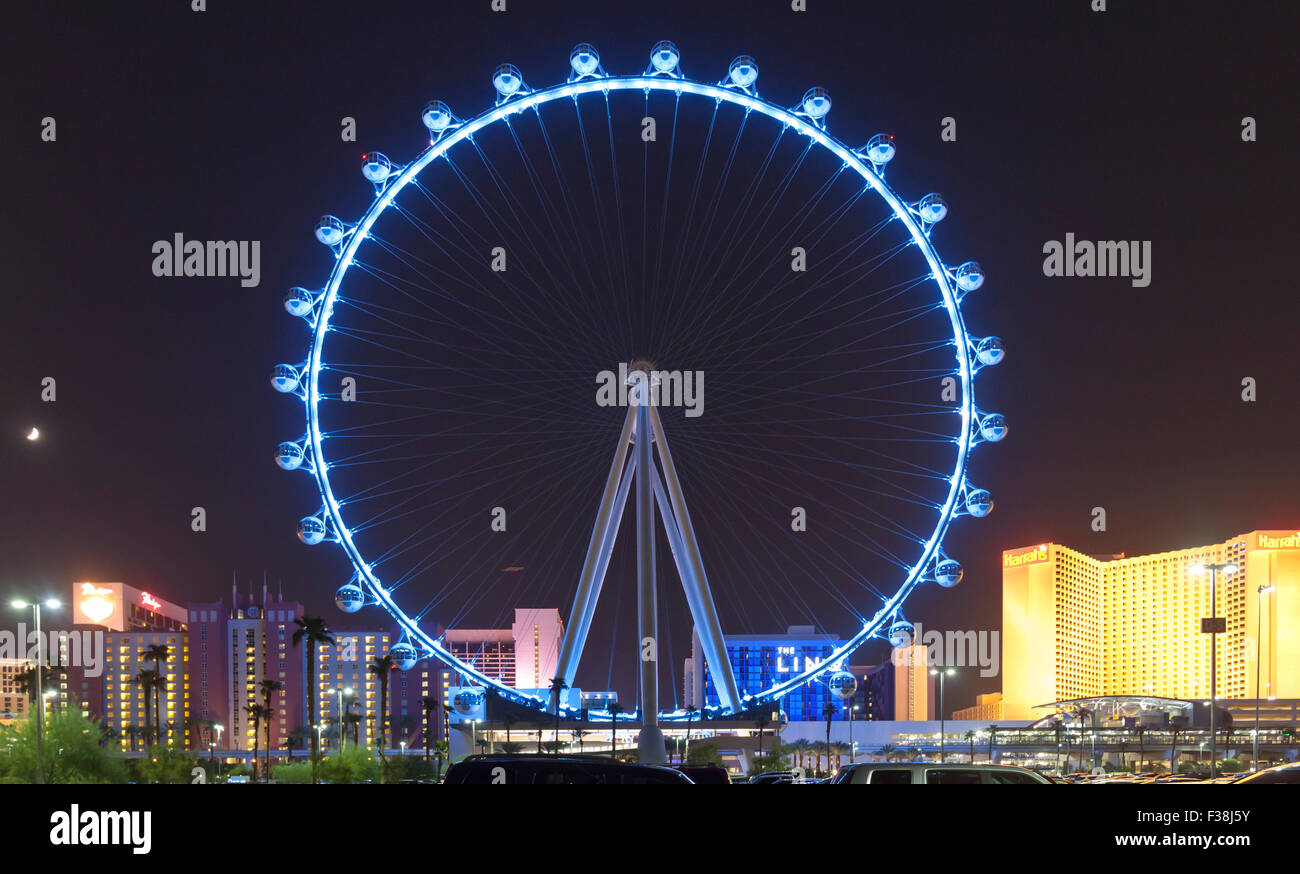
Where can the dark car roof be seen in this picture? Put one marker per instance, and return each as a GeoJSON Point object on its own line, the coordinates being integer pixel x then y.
{"type": "Point", "coordinates": [540, 768]}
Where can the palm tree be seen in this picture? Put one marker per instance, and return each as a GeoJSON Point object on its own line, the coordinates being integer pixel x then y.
{"type": "Point", "coordinates": [690, 715]}
{"type": "Point", "coordinates": [970, 737]}
{"type": "Point", "coordinates": [828, 710]}
{"type": "Point", "coordinates": [578, 736]}
{"type": "Point", "coordinates": [296, 737]}
{"type": "Point", "coordinates": [993, 733]}
{"type": "Point", "coordinates": [352, 725]}
{"type": "Point", "coordinates": [557, 687]}
{"type": "Point", "coordinates": [145, 680]}
{"type": "Point", "coordinates": [428, 705]}
{"type": "Point", "coordinates": [440, 754]}
{"type": "Point", "coordinates": [158, 654]}
{"type": "Point", "coordinates": [1140, 731]}
{"type": "Point", "coordinates": [761, 723]}
{"type": "Point", "coordinates": [257, 713]}
{"type": "Point", "coordinates": [1082, 715]}
{"type": "Point", "coordinates": [614, 710]}
{"type": "Point", "coordinates": [269, 687]}
{"type": "Point", "coordinates": [508, 720]}
{"type": "Point", "coordinates": [313, 631]}
{"type": "Point", "coordinates": [382, 667]}
{"type": "Point", "coordinates": [887, 750]}
{"type": "Point", "coordinates": [27, 683]}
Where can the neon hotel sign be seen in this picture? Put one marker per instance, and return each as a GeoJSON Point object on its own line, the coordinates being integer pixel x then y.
{"type": "Point", "coordinates": [1033, 554]}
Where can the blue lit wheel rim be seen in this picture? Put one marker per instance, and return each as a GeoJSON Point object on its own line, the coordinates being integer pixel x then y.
{"type": "Point", "coordinates": [966, 425]}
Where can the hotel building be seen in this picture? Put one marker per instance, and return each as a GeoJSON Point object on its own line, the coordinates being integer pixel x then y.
{"type": "Point", "coordinates": [1076, 625]}
{"type": "Point", "coordinates": [760, 661]}
{"type": "Point", "coordinates": [13, 701]}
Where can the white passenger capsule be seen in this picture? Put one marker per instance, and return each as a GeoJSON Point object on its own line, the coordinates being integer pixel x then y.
{"type": "Point", "coordinates": [507, 80]}
{"type": "Point", "coordinates": [932, 208]}
{"type": "Point", "coordinates": [664, 57]}
{"type": "Point", "coordinates": [349, 598]}
{"type": "Point", "coordinates": [880, 149]}
{"type": "Point", "coordinates": [285, 378]}
{"type": "Point", "coordinates": [969, 276]}
{"type": "Point", "coordinates": [288, 455]}
{"type": "Point", "coordinates": [584, 59]}
{"type": "Point", "coordinates": [990, 351]}
{"type": "Point", "coordinates": [329, 230]}
{"type": "Point", "coordinates": [816, 102]}
{"type": "Point", "coordinates": [311, 530]}
{"type": "Point", "coordinates": [404, 656]}
{"type": "Point", "coordinates": [376, 167]}
{"type": "Point", "coordinates": [979, 502]}
{"type": "Point", "coordinates": [436, 116]}
{"type": "Point", "coordinates": [948, 573]}
{"type": "Point", "coordinates": [743, 71]}
{"type": "Point", "coordinates": [299, 301]}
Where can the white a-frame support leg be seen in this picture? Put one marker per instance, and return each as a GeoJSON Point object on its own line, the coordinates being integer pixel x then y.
{"type": "Point", "coordinates": [643, 429]}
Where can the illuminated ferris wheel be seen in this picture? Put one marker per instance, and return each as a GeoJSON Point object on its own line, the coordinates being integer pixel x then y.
{"type": "Point", "coordinates": [512, 351]}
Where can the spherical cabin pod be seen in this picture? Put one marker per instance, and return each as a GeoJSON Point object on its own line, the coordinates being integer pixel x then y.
{"type": "Point", "coordinates": [404, 656]}
{"type": "Point", "coordinates": [948, 573]}
{"type": "Point", "coordinates": [329, 230]}
{"type": "Point", "coordinates": [664, 57]}
{"type": "Point", "coordinates": [880, 149]}
{"type": "Point", "coordinates": [349, 598]}
{"type": "Point", "coordinates": [584, 59]}
{"type": "Point", "coordinates": [970, 276]}
{"type": "Point", "coordinates": [507, 80]}
{"type": "Point", "coordinates": [288, 455]}
{"type": "Point", "coordinates": [990, 351]}
{"type": "Point", "coordinates": [467, 702]}
{"type": "Point", "coordinates": [900, 633]}
{"type": "Point", "coordinates": [436, 116]}
{"type": "Point", "coordinates": [842, 685]}
{"type": "Point", "coordinates": [743, 71]}
{"type": "Point", "coordinates": [932, 208]}
{"type": "Point", "coordinates": [979, 502]}
{"type": "Point", "coordinates": [816, 102]}
{"type": "Point", "coordinates": [285, 378]}
{"type": "Point", "coordinates": [311, 530]}
{"type": "Point", "coordinates": [993, 427]}
{"type": "Point", "coordinates": [299, 301]}
{"type": "Point", "coordinates": [376, 167]}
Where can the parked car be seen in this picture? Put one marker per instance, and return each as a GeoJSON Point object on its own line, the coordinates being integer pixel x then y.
{"type": "Point", "coordinates": [933, 772]}
{"type": "Point", "coordinates": [711, 774]}
{"type": "Point", "coordinates": [558, 769]}
{"type": "Point", "coordinates": [1288, 773]}
{"type": "Point", "coordinates": [768, 777]}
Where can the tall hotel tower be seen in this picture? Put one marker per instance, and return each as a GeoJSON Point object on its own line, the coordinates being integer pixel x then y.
{"type": "Point", "coordinates": [1076, 626]}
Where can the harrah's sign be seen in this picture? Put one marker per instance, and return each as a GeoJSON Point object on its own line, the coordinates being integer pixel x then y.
{"type": "Point", "coordinates": [1265, 541]}
{"type": "Point", "coordinates": [1028, 556]}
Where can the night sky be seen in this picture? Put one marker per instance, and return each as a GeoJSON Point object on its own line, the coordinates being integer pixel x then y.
{"type": "Point", "coordinates": [1124, 125]}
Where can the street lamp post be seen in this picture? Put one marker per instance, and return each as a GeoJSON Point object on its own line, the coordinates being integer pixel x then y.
{"type": "Point", "coordinates": [853, 751]}
{"type": "Point", "coordinates": [1259, 653]}
{"type": "Point", "coordinates": [1212, 626]}
{"type": "Point", "coordinates": [40, 680]}
{"type": "Point", "coordinates": [941, 674]}
{"type": "Point", "coordinates": [341, 693]}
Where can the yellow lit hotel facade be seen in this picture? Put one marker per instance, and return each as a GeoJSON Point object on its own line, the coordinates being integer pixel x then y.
{"type": "Point", "coordinates": [1077, 626]}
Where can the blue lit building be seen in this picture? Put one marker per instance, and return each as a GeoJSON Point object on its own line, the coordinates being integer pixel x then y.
{"type": "Point", "coordinates": [760, 661]}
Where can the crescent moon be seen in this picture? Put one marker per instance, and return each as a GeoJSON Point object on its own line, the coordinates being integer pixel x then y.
{"type": "Point", "coordinates": [34, 434]}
